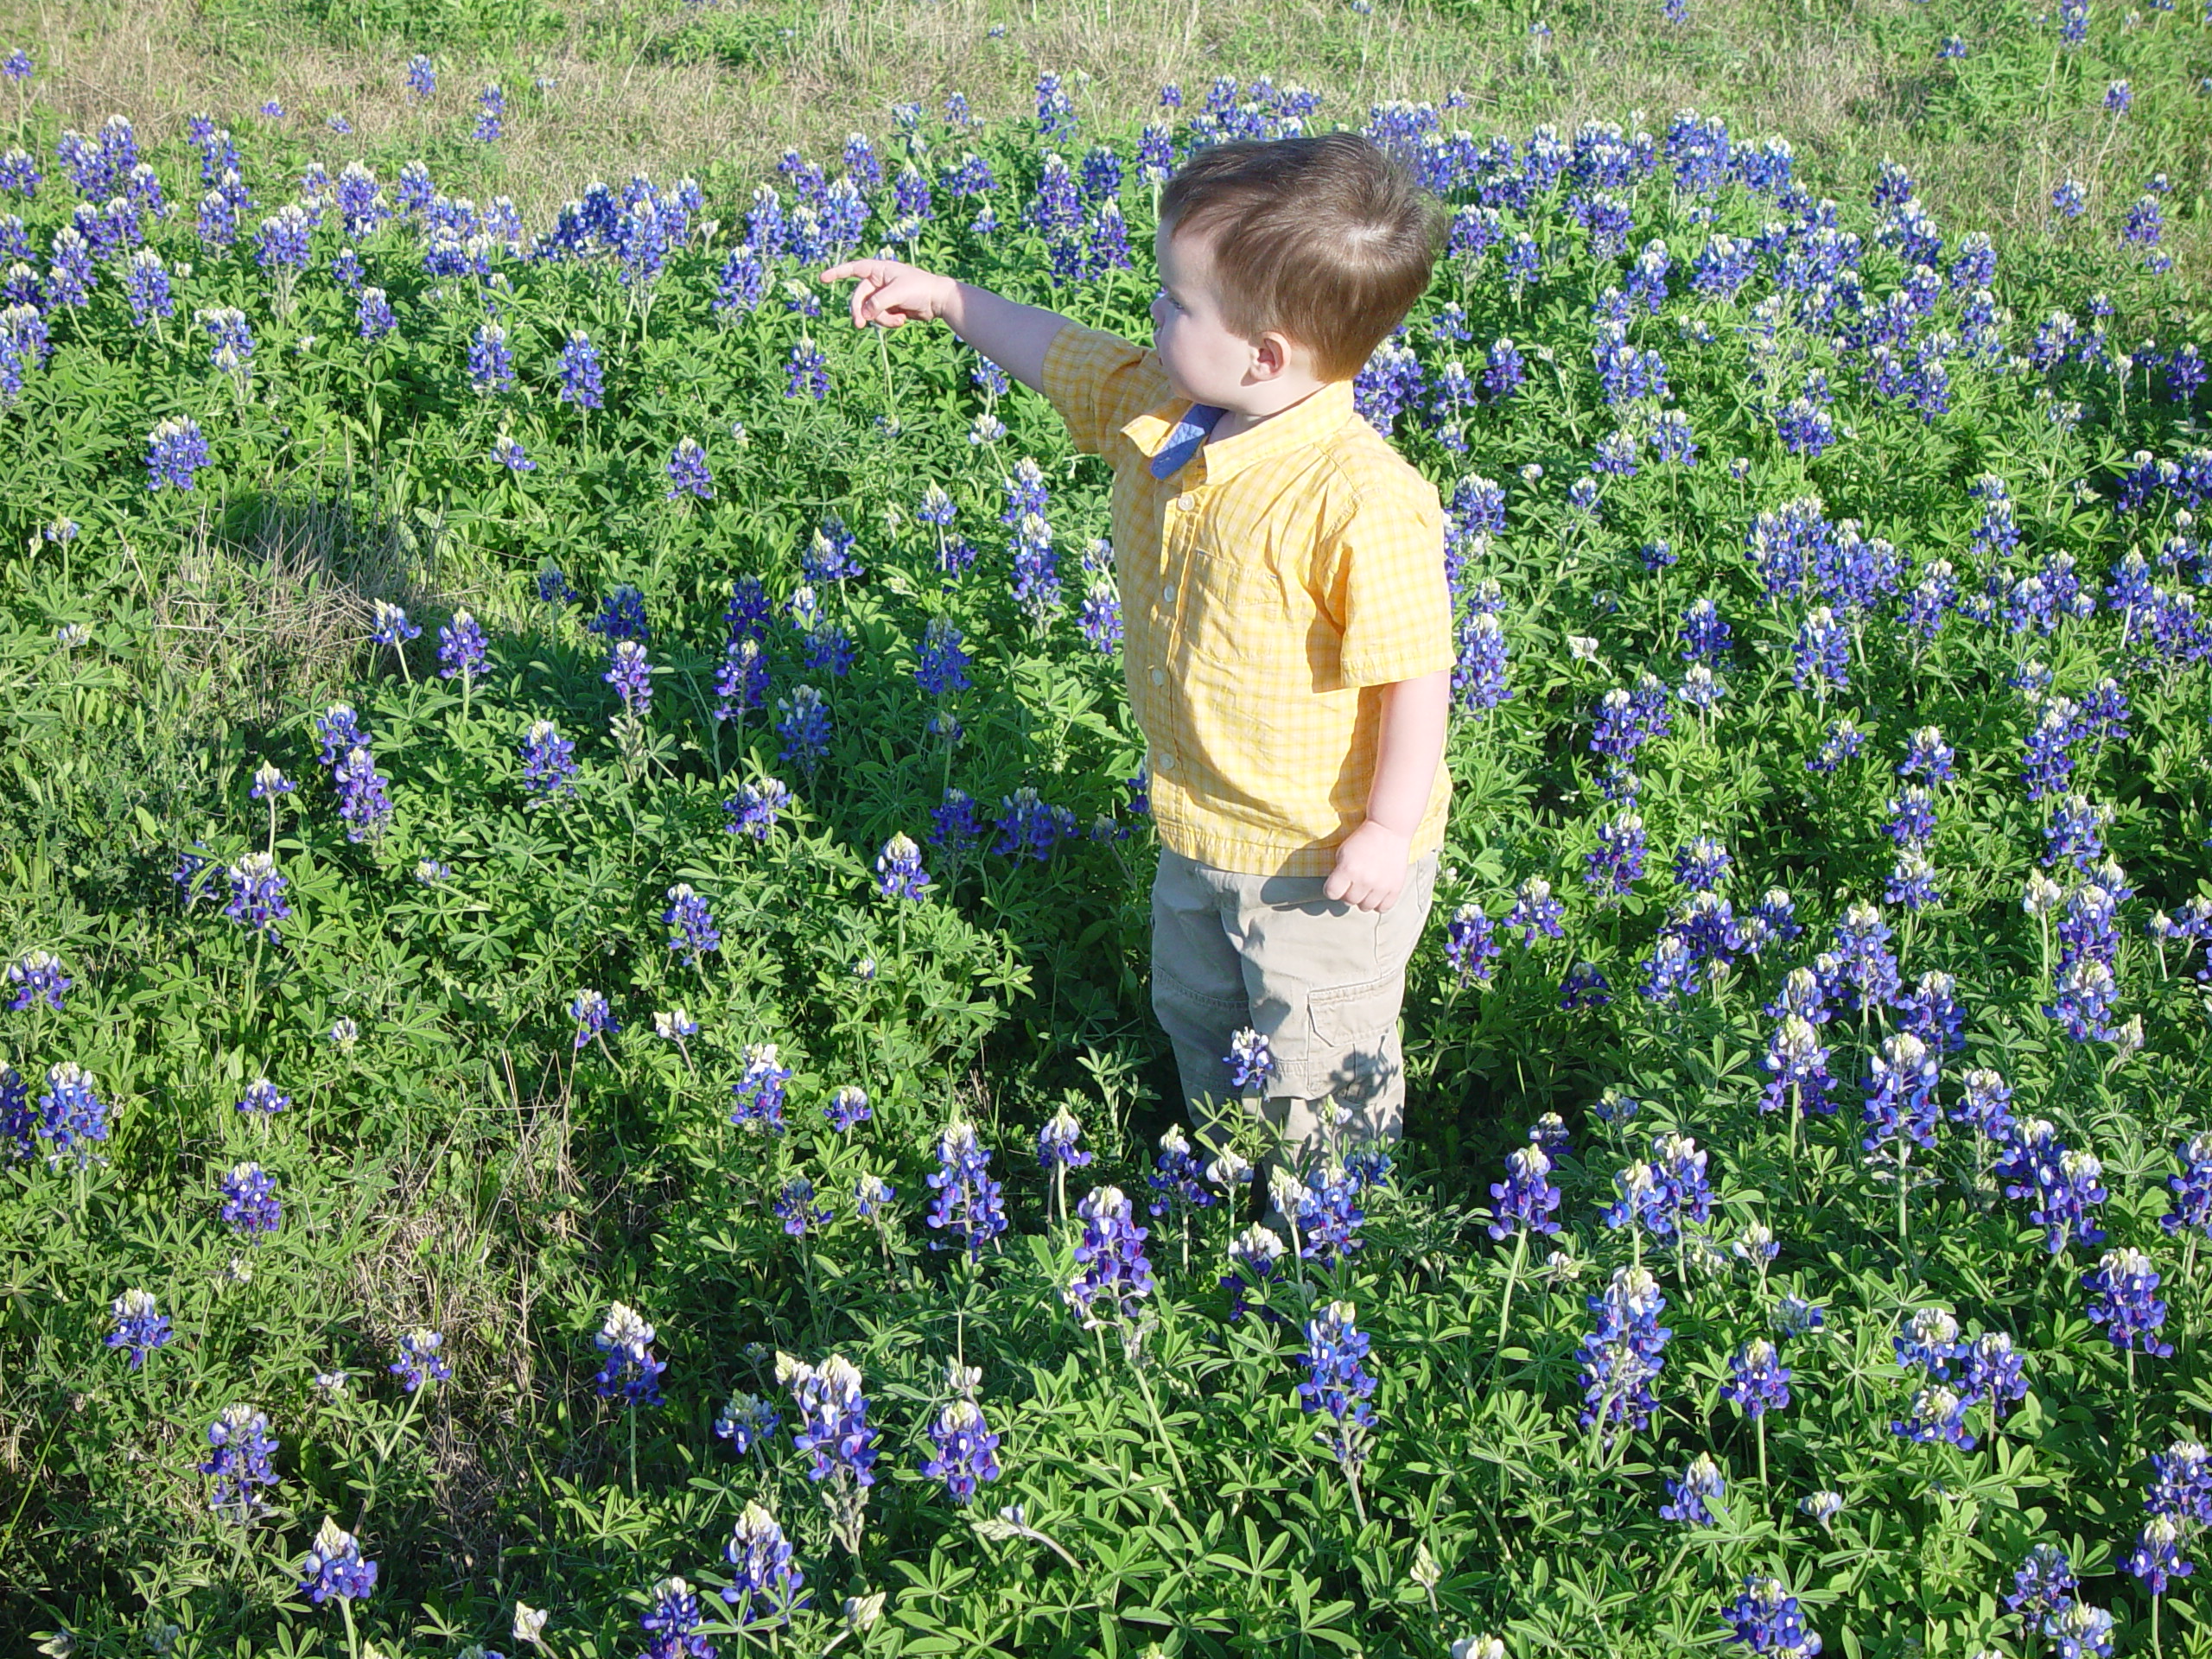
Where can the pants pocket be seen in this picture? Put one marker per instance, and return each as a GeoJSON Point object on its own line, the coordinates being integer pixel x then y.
{"type": "Point", "coordinates": [1346, 1016]}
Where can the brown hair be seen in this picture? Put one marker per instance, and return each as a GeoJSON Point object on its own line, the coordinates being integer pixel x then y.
{"type": "Point", "coordinates": [1326, 237]}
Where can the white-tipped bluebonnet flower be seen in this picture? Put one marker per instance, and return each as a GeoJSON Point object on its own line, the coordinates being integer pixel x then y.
{"type": "Point", "coordinates": [2065, 1184]}
{"type": "Point", "coordinates": [1250, 1061]}
{"type": "Point", "coordinates": [1864, 971]}
{"type": "Point", "coordinates": [1993, 1372]}
{"type": "Point", "coordinates": [1057, 1143]}
{"type": "Point", "coordinates": [140, 1326]}
{"type": "Point", "coordinates": [688, 471]}
{"type": "Point", "coordinates": [1901, 1098]}
{"type": "Point", "coordinates": [1622, 1357]}
{"type": "Point", "coordinates": [1800, 1065]}
{"type": "Point", "coordinates": [631, 676]}
{"type": "Point", "coordinates": [507, 451]}
{"type": "Point", "coordinates": [870, 1194]}
{"type": "Point", "coordinates": [419, 1360]}
{"type": "Point", "coordinates": [1985, 1106]}
{"type": "Point", "coordinates": [1525, 1199]}
{"type": "Point", "coordinates": [1765, 1619]}
{"type": "Point", "coordinates": [631, 1372]}
{"type": "Point", "coordinates": [1536, 912]}
{"type": "Point", "coordinates": [250, 1206]}
{"type": "Point", "coordinates": [2181, 1482]}
{"type": "Point", "coordinates": [964, 1451]}
{"type": "Point", "coordinates": [549, 762]}
{"type": "Point", "coordinates": [1177, 1177]}
{"type": "Point", "coordinates": [1842, 740]}
{"type": "Point", "coordinates": [754, 810]}
{"type": "Point", "coordinates": [671, 1623]}
{"type": "Point", "coordinates": [2157, 1557]}
{"type": "Point", "coordinates": [258, 895]}
{"type": "Point", "coordinates": [1759, 1382]}
{"type": "Point", "coordinates": [593, 1016]}
{"type": "Point", "coordinates": [622, 614]}
{"type": "Point", "coordinates": [1701, 1483]}
{"type": "Point", "coordinates": [333, 1566]}
{"type": "Point", "coordinates": [969, 1206]}
{"type": "Point", "coordinates": [261, 1099]}
{"type": "Point", "coordinates": [759, 1092]}
{"type": "Point", "coordinates": [899, 872]}
{"type": "Point", "coordinates": [1110, 1259]}
{"type": "Point", "coordinates": [491, 361]}
{"type": "Point", "coordinates": [581, 382]}
{"type": "Point", "coordinates": [764, 1581]}
{"type": "Point", "coordinates": [373, 317]}
{"type": "Point", "coordinates": [1337, 1384]}
{"type": "Point", "coordinates": [1027, 826]}
{"type": "Point", "coordinates": [803, 722]}
{"type": "Point", "coordinates": [1936, 1414]}
{"type": "Point", "coordinates": [363, 805]}
{"type": "Point", "coordinates": [847, 1105]}
{"type": "Point", "coordinates": [1618, 862]}
{"type": "Point", "coordinates": [174, 452]}
{"type": "Point", "coordinates": [1471, 945]}
{"type": "Point", "coordinates": [1583, 987]}
{"type": "Point", "coordinates": [239, 1449]}
{"type": "Point", "coordinates": [70, 1114]}
{"type": "Point", "coordinates": [940, 664]}
{"type": "Point", "coordinates": [2192, 1188]}
{"type": "Point", "coordinates": [832, 1424]}
{"type": "Point", "coordinates": [37, 977]}
{"type": "Point", "coordinates": [691, 931]}
{"type": "Point", "coordinates": [1702, 864]}
{"type": "Point", "coordinates": [1478, 679]}
{"type": "Point", "coordinates": [795, 1208]}
{"type": "Point", "coordinates": [674, 1025]}
{"type": "Point", "coordinates": [747, 1421]}
{"type": "Point", "coordinates": [2044, 1584]}
{"type": "Point", "coordinates": [1328, 1215]}
{"type": "Point", "coordinates": [2125, 1303]}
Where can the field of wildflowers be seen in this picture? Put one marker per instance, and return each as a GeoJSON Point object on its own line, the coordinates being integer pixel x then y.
{"type": "Point", "coordinates": [578, 1074]}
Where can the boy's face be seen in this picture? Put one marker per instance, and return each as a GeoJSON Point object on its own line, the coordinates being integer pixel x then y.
{"type": "Point", "coordinates": [1204, 361]}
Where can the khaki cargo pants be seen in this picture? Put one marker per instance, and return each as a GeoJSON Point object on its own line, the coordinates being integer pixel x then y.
{"type": "Point", "coordinates": [1320, 979]}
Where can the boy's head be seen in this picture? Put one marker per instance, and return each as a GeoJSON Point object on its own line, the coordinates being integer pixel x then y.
{"type": "Point", "coordinates": [1284, 261]}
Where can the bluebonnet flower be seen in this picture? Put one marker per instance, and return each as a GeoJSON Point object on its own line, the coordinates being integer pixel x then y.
{"type": "Point", "coordinates": [1993, 1372]}
{"type": "Point", "coordinates": [688, 472]}
{"type": "Point", "coordinates": [2192, 1188]}
{"type": "Point", "coordinates": [764, 1581]}
{"type": "Point", "coordinates": [1618, 862]}
{"type": "Point", "coordinates": [1759, 1382]}
{"type": "Point", "coordinates": [747, 1421]}
{"type": "Point", "coordinates": [760, 1092]}
{"type": "Point", "coordinates": [140, 1326]}
{"type": "Point", "coordinates": [1177, 1177]}
{"type": "Point", "coordinates": [629, 1370]}
{"type": "Point", "coordinates": [672, 1621]}
{"type": "Point", "coordinates": [249, 1203]}
{"type": "Point", "coordinates": [1110, 1262]}
{"type": "Point", "coordinates": [174, 452]}
{"type": "Point", "coordinates": [1526, 1199]}
{"type": "Point", "coordinates": [491, 106]}
{"type": "Point", "coordinates": [1028, 827]}
{"type": "Point", "coordinates": [261, 1099]}
{"type": "Point", "coordinates": [1765, 1619]}
{"type": "Point", "coordinates": [1329, 1216]}
{"type": "Point", "coordinates": [1986, 1106]}
{"type": "Point", "coordinates": [239, 1449]}
{"type": "Point", "coordinates": [1799, 1063]}
{"type": "Point", "coordinates": [690, 923]}
{"type": "Point", "coordinates": [940, 664]}
{"type": "Point", "coordinates": [1671, 970]}
{"type": "Point", "coordinates": [2157, 1557]}
{"type": "Point", "coordinates": [1822, 653]}
{"type": "Point", "coordinates": [1337, 1384]}
{"type": "Point", "coordinates": [71, 1113]}
{"type": "Point", "coordinates": [833, 1424]}
{"type": "Point", "coordinates": [2086, 990]}
{"type": "Point", "coordinates": [373, 317]}
{"type": "Point", "coordinates": [1863, 971]}
{"type": "Point", "coordinates": [37, 977]}
{"type": "Point", "coordinates": [968, 1204]}
{"type": "Point", "coordinates": [2044, 1584]}
{"type": "Point", "coordinates": [1621, 1357]}
{"type": "Point", "coordinates": [847, 1105]}
{"type": "Point", "coordinates": [1912, 881]}
{"type": "Point", "coordinates": [899, 872]}
{"type": "Point", "coordinates": [622, 614]}
{"type": "Point", "coordinates": [795, 1208]}
{"type": "Point", "coordinates": [581, 381]}
{"type": "Point", "coordinates": [1478, 672]}
{"type": "Point", "coordinates": [460, 647]}
{"type": "Point", "coordinates": [1702, 864]}
{"type": "Point", "coordinates": [803, 722]}
{"type": "Point", "coordinates": [1936, 1414]}
{"type": "Point", "coordinates": [1057, 1148]}
{"type": "Point", "coordinates": [2076, 831]}
{"type": "Point", "coordinates": [630, 675]}
{"type": "Point", "coordinates": [1469, 944]}
{"type": "Point", "coordinates": [507, 451]}
{"type": "Point", "coordinates": [333, 1566]}
{"type": "Point", "coordinates": [421, 77]}
{"type": "Point", "coordinates": [1536, 912]}
{"type": "Point", "coordinates": [419, 1360]}
{"type": "Point", "coordinates": [1250, 1061]}
{"type": "Point", "coordinates": [2047, 760]}
{"type": "Point", "coordinates": [754, 810]}
{"type": "Point", "coordinates": [549, 763]}
{"type": "Point", "coordinates": [964, 1451]}
{"type": "Point", "coordinates": [1705, 633]}
{"type": "Point", "coordinates": [593, 1018]}
{"type": "Point", "coordinates": [1701, 1483]}
{"type": "Point", "coordinates": [2065, 1184]}
{"type": "Point", "coordinates": [2124, 1305]}
{"type": "Point", "coordinates": [490, 360]}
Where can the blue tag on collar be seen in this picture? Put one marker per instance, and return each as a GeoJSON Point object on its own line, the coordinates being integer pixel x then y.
{"type": "Point", "coordinates": [1183, 442]}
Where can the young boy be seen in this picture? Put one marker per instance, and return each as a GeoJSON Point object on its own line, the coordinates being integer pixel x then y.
{"type": "Point", "coordinates": [1287, 631]}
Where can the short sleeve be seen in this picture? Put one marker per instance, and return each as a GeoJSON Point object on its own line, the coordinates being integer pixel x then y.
{"type": "Point", "coordinates": [1099, 383]}
{"type": "Point", "coordinates": [1381, 577]}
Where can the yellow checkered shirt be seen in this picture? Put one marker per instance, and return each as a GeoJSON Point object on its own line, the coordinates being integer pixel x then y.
{"type": "Point", "coordinates": [1268, 589]}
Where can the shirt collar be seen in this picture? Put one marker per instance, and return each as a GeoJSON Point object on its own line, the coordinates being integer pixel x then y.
{"type": "Point", "coordinates": [1310, 420]}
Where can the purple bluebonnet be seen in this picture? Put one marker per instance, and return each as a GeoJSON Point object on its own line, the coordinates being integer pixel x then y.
{"type": "Point", "coordinates": [1111, 1263]}
{"type": "Point", "coordinates": [549, 762]}
{"type": "Point", "coordinates": [691, 925]}
{"type": "Point", "coordinates": [1991, 1372]}
{"type": "Point", "coordinates": [688, 472]}
{"type": "Point", "coordinates": [250, 1206]}
{"type": "Point", "coordinates": [460, 647]}
{"type": "Point", "coordinates": [758, 1091]}
{"type": "Point", "coordinates": [582, 382]}
{"type": "Point", "coordinates": [630, 675]}
{"type": "Point", "coordinates": [1525, 1199]}
{"type": "Point", "coordinates": [1863, 971]}
{"type": "Point", "coordinates": [1471, 945]}
{"type": "Point", "coordinates": [1177, 1177]}
{"type": "Point", "coordinates": [1704, 631]}
{"type": "Point", "coordinates": [1057, 1143]}
{"type": "Point", "coordinates": [1337, 1384]}
{"type": "Point", "coordinates": [37, 977]}
{"type": "Point", "coordinates": [1583, 987]}
{"type": "Point", "coordinates": [1901, 1098]}
{"type": "Point", "coordinates": [630, 1373]}
{"type": "Point", "coordinates": [2192, 1188]}
{"type": "Point", "coordinates": [1702, 864]}
{"type": "Point", "coordinates": [2066, 1185]}
{"type": "Point", "coordinates": [140, 1326]}
{"type": "Point", "coordinates": [1622, 1357]}
{"type": "Point", "coordinates": [1618, 861]}
{"type": "Point", "coordinates": [847, 1104]}
{"type": "Point", "coordinates": [1985, 1106]}
{"type": "Point", "coordinates": [833, 1429]}
{"type": "Point", "coordinates": [1800, 1065]}
{"type": "Point", "coordinates": [593, 1018]}
{"type": "Point", "coordinates": [1536, 912]}
{"type": "Point", "coordinates": [1328, 1214]}
{"type": "Point", "coordinates": [899, 872]}
{"type": "Point", "coordinates": [333, 1566]}
{"type": "Point", "coordinates": [745, 1421]}
{"type": "Point", "coordinates": [1701, 1483]}
{"type": "Point", "coordinates": [969, 1206]}
{"type": "Point", "coordinates": [239, 1452]}
{"type": "Point", "coordinates": [2156, 1558]}
{"type": "Point", "coordinates": [490, 360]}
{"type": "Point", "coordinates": [70, 1114]}
{"type": "Point", "coordinates": [1758, 1381]}
{"type": "Point", "coordinates": [671, 1623]}
{"type": "Point", "coordinates": [764, 1581]}
{"type": "Point", "coordinates": [804, 724]}
{"type": "Point", "coordinates": [1766, 1618]}
{"type": "Point", "coordinates": [419, 1360]}
{"type": "Point", "coordinates": [261, 1099]}
{"type": "Point", "coordinates": [174, 452]}
{"type": "Point", "coordinates": [795, 1208]}
{"type": "Point", "coordinates": [2125, 1304]}
{"type": "Point", "coordinates": [756, 807]}
{"type": "Point", "coordinates": [964, 1451]}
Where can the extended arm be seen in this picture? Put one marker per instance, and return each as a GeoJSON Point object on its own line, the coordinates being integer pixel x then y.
{"type": "Point", "coordinates": [1370, 868]}
{"type": "Point", "coordinates": [1013, 335]}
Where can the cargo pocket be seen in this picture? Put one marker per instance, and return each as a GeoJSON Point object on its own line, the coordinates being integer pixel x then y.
{"type": "Point", "coordinates": [1351, 1026]}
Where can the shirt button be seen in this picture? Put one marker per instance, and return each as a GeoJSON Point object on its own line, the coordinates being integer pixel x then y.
{"type": "Point", "coordinates": [1188, 503]}
{"type": "Point", "coordinates": [1165, 761]}
{"type": "Point", "coordinates": [1159, 677]}
{"type": "Point", "coordinates": [1167, 595]}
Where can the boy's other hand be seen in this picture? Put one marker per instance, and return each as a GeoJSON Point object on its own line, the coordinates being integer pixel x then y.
{"type": "Point", "coordinates": [893, 293]}
{"type": "Point", "coordinates": [1370, 868]}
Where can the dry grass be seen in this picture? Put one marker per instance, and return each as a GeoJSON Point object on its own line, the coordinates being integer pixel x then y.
{"type": "Point", "coordinates": [624, 103]}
